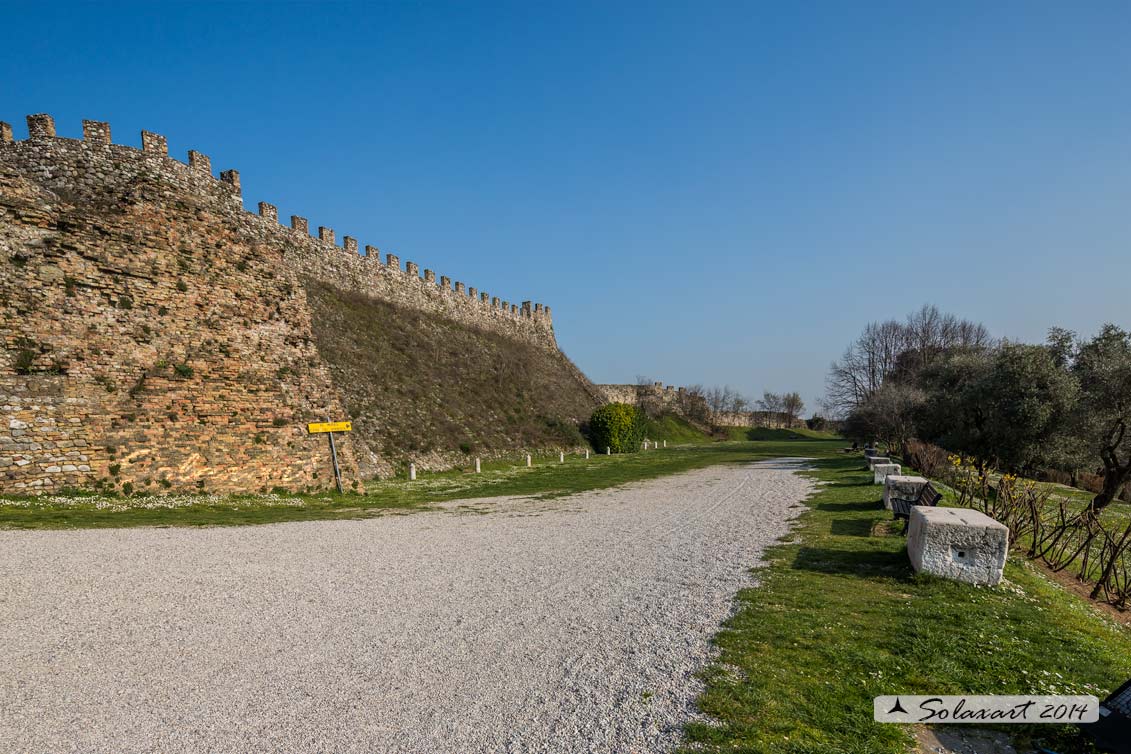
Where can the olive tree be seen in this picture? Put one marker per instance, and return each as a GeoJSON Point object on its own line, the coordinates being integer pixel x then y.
{"type": "Point", "coordinates": [1103, 412]}
{"type": "Point", "coordinates": [1007, 408]}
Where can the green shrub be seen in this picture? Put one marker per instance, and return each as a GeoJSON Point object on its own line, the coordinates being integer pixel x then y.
{"type": "Point", "coordinates": [25, 359]}
{"type": "Point", "coordinates": [618, 426]}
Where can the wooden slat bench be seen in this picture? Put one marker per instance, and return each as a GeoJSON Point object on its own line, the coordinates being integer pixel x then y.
{"type": "Point", "coordinates": [901, 508]}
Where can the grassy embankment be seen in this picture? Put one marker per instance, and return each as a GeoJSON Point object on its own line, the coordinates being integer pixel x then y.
{"type": "Point", "coordinates": [547, 478]}
{"type": "Point", "coordinates": [840, 617]}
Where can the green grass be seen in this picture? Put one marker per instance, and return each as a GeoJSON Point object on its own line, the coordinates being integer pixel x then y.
{"type": "Point", "coordinates": [414, 383]}
{"type": "Point", "coordinates": [674, 429]}
{"type": "Point", "coordinates": [840, 617]}
{"type": "Point", "coordinates": [766, 433]}
{"type": "Point", "coordinates": [547, 478]}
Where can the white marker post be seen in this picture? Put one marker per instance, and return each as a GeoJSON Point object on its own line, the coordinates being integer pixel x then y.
{"type": "Point", "coordinates": [476, 465]}
{"type": "Point", "coordinates": [608, 450]}
{"type": "Point", "coordinates": [587, 454]}
{"type": "Point", "coordinates": [412, 472]}
{"type": "Point", "coordinates": [561, 456]}
{"type": "Point", "coordinates": [528, 464]}
{"type": "Point", "coordinates": [665, 443]}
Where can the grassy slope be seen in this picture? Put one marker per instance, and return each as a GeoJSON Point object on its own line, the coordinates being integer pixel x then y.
{"type": "Point", "coordinates": [548, 477]}
{"type": "Point", "coordinates": [674, 429]}
{"type": "Point", "coordinates": [840, 617]}
{"type": "Point", "coordinates": [766, 433]}
{"type": "Point", "coordinates": [414, 383]}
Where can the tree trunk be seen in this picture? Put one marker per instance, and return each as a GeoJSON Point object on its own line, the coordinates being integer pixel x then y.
{"type": "Point", "coordinates": [1115, 476]}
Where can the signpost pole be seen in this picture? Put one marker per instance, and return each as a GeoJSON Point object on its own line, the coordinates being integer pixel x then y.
{"type": "Point", "coordinates": [330, 428]}
{"type": "Point", "coordinates": [334, 455]}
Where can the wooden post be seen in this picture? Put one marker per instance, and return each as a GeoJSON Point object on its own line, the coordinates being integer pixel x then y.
{"type": "Point", "coordinates": [334, 455]}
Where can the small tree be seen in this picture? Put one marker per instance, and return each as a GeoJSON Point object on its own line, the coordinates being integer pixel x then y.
{"type": "Point", "coordinates": [618, 426]}
{"type": "Point", "coordinates": [888, 415]}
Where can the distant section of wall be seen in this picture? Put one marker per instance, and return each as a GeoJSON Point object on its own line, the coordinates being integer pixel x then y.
{"type": "Point", "coordinates": [772, 419]}
{"type": "Point", "coordinates": [658, 397]}
{"type": "Point", "coordinates": [681, 401]}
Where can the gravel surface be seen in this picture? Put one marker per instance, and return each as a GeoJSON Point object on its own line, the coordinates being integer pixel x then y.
{"type": "Point", "coordinates": [505, 625]}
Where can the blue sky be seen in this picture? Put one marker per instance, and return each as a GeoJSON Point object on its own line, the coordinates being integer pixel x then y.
{"type": "Point", "coordinates": [703, 192]}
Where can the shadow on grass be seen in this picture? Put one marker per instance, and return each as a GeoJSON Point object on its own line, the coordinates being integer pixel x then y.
{"type": "Point", "coordinates": [851, 527]}
{"type": "Point", "coordinates": [855, 505]}
{"type": "Point", "coordinates": [861, 563]}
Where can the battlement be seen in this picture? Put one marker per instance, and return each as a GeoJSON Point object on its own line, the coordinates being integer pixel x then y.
{"type": "Point", "coordinates": [96, 164]}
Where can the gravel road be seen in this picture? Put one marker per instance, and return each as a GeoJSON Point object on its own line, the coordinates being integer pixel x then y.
{"type": "Point", "coordinates": [505, 625]}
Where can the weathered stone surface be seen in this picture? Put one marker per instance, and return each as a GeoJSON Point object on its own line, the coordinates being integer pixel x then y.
{"type": "Point", "coordinates": [880, 471]}
{"type": "Point", "coordinates": [902, 487]}
{"type": "Point", "coordinates": [152, 322]}
{"type": "Point", "coordinates": [957, 543]}
{"type": "Point", "coordinates": [873, 460]}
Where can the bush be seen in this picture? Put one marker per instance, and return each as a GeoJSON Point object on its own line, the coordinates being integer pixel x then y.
{"type": "Point", "coordinates": [817, 423]}
{"type": "Point", "coordinates": [618, 426]}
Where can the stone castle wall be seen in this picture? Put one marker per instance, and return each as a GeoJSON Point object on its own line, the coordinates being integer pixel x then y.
{"type": "Point", "coordinates": [95, 165]}
{"type": "Point", "coordinates": [156, 335]}
{"type": "Point", "coordinates": [658, 396]}
{"type": "Point", "coordinates": [679, 401]}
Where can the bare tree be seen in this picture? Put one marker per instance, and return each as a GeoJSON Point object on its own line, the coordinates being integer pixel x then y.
{"type": "Point", "coordinates": [896, 350]}
{"type": "Point", "coordinates": [693, 403]}
{"type": "Point", "coordinates": [792, 406]}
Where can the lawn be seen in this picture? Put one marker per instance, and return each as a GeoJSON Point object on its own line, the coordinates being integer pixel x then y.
{"type": "Point", "coordinates": [547, 478]}
{"type": "Point", "coordinates": [840, 617]}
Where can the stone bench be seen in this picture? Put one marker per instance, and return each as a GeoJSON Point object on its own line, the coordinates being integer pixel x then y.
{"type": "Point", "coordinates": [880, 471]}
{"type": "Point", "coordinates": [876, 459]}
{"type": "Point", "coordinates": [958, 544]}
{"type": "Point", "coordinates": [903, 487]}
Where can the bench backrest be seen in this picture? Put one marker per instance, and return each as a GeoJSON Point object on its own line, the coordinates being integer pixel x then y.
{"type": "Point", "coordinates": [928, 495]}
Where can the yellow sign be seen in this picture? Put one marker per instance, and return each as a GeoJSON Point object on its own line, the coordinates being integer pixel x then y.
{"type": "Point", "coordinates": [329, 427]}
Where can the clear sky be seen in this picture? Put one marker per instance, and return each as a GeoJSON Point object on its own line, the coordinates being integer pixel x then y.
{"type": "Point", "coordinates": [703, 192]}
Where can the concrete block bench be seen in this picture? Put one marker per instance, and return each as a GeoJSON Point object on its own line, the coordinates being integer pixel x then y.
{"type": "Point", "coordinates": [880, 471]}
{"type": "Point", "coordinates": [903, 487]}
{"type": "Point", "coordinates": [872, 461]}
{"type": "Point", "coordinates": [958, 544]}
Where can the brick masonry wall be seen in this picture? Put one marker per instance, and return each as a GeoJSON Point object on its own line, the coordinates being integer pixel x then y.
{"type": "Point", "coordinates": [156, 334]}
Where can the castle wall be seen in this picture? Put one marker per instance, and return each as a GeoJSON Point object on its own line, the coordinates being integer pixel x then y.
{"type": "Point", "coordinates": [157, 335]}
{"type": "Point", "coordinates": [82, 169]}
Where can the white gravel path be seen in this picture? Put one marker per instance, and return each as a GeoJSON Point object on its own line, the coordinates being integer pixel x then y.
{"type": "Point", "coordinates": [572, 625]}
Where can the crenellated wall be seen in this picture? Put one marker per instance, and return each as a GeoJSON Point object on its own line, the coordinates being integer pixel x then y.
{"type": "Point", "coordinates": [95, 165]}
{"type": "Point", "coordinates": [155, 335]}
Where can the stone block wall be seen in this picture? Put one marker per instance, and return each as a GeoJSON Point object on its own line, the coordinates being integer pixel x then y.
{"type": "Point", "coordinates": [156, 334]}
